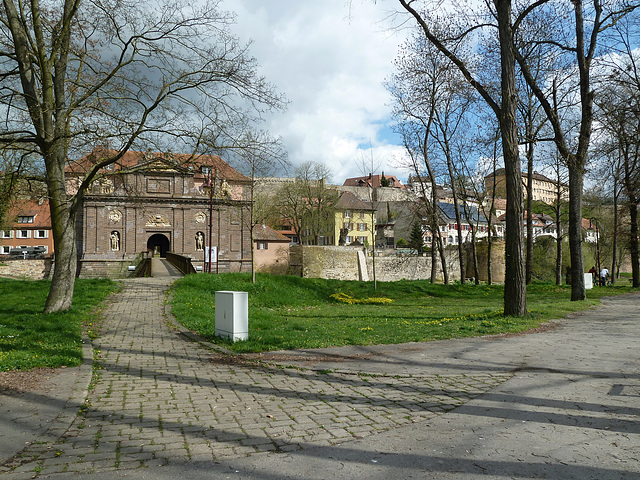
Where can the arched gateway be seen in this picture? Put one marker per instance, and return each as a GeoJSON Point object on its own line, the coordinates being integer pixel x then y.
{"type": "Point", "coordinates": [158, 243]}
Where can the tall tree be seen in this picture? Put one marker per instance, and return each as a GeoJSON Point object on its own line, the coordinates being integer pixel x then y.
{"type": "Point", "coordinates": [417, 89]}
{"type": "Point", "coordinates": [504, 106]}
{"type": "Point", "coordinates": [577, 41]}
{"type": "Point", "coordinates": [620, 106]}
{"type": "Point", "coordinates": [257, 154]}
{"type": "Point", "coordinates": [79, 74]}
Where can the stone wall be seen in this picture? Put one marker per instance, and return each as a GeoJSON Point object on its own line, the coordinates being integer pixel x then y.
{"type": "Point", "coordinates": [342, 263]}
{"type": "Point", "coordinates": [497, 261]}
{"type": "Point", "coordinates": [116, 268]}
{"type": "Point", "coordinates": [339, 263]}
{"type": "Point", "coordinates": [411, 267]}
{"type": "Point", "coordinates": [36, 269]}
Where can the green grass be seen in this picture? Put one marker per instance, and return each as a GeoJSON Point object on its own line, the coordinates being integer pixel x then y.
{"type": "Point", "coordinates": [29, 339]}
{"type": "Point", "coordinates": [289, 312]}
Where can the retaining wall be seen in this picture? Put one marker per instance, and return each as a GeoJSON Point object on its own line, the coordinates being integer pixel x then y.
{"type": "Point", "coordinates": [35, 269]}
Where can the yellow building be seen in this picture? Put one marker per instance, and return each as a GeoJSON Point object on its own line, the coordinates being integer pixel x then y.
{"type": "Point", "coordinates": [354, 221]}
{"type": "Point", "coordinates": [544, 189]}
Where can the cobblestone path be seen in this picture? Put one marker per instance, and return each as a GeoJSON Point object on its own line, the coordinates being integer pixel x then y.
{"type": "Point", "coordinates": [159, 398]}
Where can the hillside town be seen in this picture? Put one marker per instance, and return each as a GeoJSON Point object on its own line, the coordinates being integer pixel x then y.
{"type": "Point", "coordinates": [199, 207]}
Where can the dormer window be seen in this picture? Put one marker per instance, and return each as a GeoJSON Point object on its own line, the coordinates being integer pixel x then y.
{"type": "Point", "coordinates": [26, 219]}
{"type": "Point", "coordinates": [206, 170]}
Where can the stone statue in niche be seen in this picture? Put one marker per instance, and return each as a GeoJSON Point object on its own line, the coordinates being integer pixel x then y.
{"type": "Point", "coordinates": [115, 241]}
{"type": "Point", "coordinates": [225, 190]}
{"type": "Point", "coordinates": [199, 241]}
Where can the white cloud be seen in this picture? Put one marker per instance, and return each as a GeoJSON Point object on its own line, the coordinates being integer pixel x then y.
{"type": "Point", "coordinates": [329, 58]}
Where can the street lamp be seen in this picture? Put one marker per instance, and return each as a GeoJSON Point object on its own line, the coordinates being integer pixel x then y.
{"type": "Point", "coordinates": [210, 187]}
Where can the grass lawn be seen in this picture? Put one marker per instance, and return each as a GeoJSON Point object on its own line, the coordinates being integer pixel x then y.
{"type": "Point", "coordinates": [30, 339]}
{"type": "Point", "coordinates": [290, 312]}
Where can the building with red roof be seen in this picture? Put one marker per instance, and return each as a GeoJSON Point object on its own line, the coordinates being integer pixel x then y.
{"type": "Point", "coordinates": [152, 203]}
{"type": "Point", "coordinates": [27, 226]}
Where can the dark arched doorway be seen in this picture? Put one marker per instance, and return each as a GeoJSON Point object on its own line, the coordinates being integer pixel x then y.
{"type": "Point", "coordinates": [158, 244]}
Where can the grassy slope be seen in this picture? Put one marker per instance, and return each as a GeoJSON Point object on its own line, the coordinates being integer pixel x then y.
{"type": "Point", "coordinates": [290, 312]}
{"type": "Point", "coordinates": [29, 339]}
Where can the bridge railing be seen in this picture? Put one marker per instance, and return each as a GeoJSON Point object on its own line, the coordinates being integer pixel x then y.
{"type": "Point", "coordinates": [181, 262]}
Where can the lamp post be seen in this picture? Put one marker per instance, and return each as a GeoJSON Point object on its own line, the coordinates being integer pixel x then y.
{"type": "Point", "coordinates": [210, 186]}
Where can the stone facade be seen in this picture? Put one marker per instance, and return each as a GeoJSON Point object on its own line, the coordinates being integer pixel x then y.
{"type": "Point", "coordinates": [152, 204]}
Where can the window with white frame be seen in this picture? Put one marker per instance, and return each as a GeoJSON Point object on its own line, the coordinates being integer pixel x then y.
{"type": "Point", "coordinates": [362, 227]}
{"type": "Point", "coordinates": [25, 219]}
{"type": "Point", "coordinates": [348, 239]}
{"type": "Point", "coordinates": [5, 249]}
{"type": "Point", "coordinates": [46, 249]}
{"type": "Point", "coordinates": [6, 234]}
{"type": "Point", "coordinates": [362, 240]}
{"type": "Point", "coordinates": [41, 234]}
{"type": "Point", "coordinates": [347, 214]}
{"type": "Point", "coordinates": [262, 246]}
{"type": "Point", "coordinates": [23, 234]}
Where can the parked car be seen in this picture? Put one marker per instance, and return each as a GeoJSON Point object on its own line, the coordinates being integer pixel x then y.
{"type": "Point", "coordinates": [27, 252]}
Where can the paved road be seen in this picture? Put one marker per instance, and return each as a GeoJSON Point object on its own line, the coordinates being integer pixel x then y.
{"type": "Point", "coordinates": [560, 404]}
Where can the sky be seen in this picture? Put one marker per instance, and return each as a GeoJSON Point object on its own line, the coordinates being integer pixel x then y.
{"type": "Point", "coordinates": [330, 59]}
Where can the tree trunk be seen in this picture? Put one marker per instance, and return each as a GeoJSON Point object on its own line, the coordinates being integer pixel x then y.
{"type": "Point", "coordinates": [434, 255]}
{"type": "Point", "coordinates": [515, 289]}
{"type": "Point", "coordinates": [474, 255]}
{"type": "Point", "coordinates": [615, 232]}
{"type": "Point", "coordinates": [633, 244]}
{"type": "Point", "coordinates": [456, 208]}
{"type": "Point", "coordinates": [558, 248]}
{"type": "Point", "coordinates": [63, 226]}
{"type": "Point", "coordinates": [529, 257]}
{"type": "Point", "coordinates": [557, 209]}
{"type": "Point", "coordinates": [575, 231]}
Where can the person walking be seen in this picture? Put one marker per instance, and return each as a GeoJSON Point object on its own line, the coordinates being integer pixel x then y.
{"type": "Point", "coordinates": [604, 273]}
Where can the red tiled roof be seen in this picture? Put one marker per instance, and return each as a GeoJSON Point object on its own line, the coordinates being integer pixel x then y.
{"type": "Point", "coordinates": [264, 232]}
{"type": "Point", "coordinates": [374, 181]}
{"type": "Point", "coordinates": [131, 159]}
{"type": "Point", "coordinates": [30, 208]}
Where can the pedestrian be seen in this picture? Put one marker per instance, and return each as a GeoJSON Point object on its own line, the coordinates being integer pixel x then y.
{"type": "Point", "coordinates": [604, 273]}
{"type": "Point", "coordinates": [593, 273]}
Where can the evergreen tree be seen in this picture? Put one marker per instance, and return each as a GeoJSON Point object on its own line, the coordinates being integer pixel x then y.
{"type": "Point", "coordinates": [416, 240]}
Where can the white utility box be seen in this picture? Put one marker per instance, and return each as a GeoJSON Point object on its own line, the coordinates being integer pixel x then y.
{"type": "Point", "coordinates": [232, 315]}
{"type": "Point", "coordinates": [588, 281]}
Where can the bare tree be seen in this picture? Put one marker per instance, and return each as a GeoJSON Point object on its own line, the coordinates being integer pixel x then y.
{"type": "Point", "coordinates": [308, 202]}
{"type": "Point", "coordinates": [256, 155]}
{"type": "Point", "coordinates": [504, 107]}
{"type": "Point", "coordinates": [118, 74]}
{"type": "Point", "coordinates": [620, 106]}
{"type": "Point", "coordinates": [417, 89]}
{"type": "Point", "coordinates": [577, 41]}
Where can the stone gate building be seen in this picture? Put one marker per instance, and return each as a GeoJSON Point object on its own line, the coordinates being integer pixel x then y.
{"type": "Point", "coordinates": [152, 203]}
